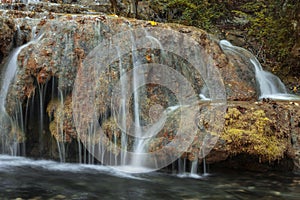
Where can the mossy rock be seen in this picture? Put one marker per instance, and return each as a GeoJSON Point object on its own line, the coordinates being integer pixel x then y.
{"type": "Point", "coordinates": [251, 133]}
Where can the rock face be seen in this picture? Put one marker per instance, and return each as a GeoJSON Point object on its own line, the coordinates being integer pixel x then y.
{"type": "Point", "coordinates": [8, 29]}
{"type": "Point", "coordinates": [267, 132]}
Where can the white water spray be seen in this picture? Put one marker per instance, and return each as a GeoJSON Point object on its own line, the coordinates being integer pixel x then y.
{"type": "Point", "coordinates": [8, 76]}
{"type": "Point", "coordinates": [138, 79]}
{"type": "Point", "coordinates": [270, 86]}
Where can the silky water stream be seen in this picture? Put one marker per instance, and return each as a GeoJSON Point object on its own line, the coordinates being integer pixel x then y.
{"type": "Point", "coordinates": [269, 85]}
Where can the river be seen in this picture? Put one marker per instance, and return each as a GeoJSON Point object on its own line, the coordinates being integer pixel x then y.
{"type": "Point", "coordinates": [23, 178]}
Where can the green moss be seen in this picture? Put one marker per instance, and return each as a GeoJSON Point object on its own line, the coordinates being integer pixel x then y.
{"type": "Point", "coordinates": [250, 133]}
{"type": "Point", "coordinates": [271, 23]}
{"type": "Point", "coordinates": [200, 13]}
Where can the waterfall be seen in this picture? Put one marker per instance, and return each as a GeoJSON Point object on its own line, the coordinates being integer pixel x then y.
{"type": "Point", "coordinates": [60, 129]}
{"type": "Point", "coordinates": [204, 163]}
{"type": "Point", "coordinates": [143, 134]}
{"type": "Point", "coordinates": [137, 80]}
{"type": "Point", "coordinates": [269, 85]}
{"type": "Point", "coordinates": [204, 94]}
{"type": "Point", "coordinates": [181, 166]}
{"type": "Point", "coordinates": [9, 137]}
{"type": "Point", "coordinates": [8, 76]}
{"type": "Point", "coordinates": [61, 44]}
{"type": "Point", "coordinates": [194, 167]}
{"type": "Point", "coordinates": [124, 137]}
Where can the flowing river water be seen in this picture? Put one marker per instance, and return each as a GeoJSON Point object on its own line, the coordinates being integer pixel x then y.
{"type": "Point", "coordinates": [23, 178]}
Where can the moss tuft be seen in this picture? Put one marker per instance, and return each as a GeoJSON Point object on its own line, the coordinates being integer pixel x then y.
{"type": "Point", "coordinates": [250, 133]}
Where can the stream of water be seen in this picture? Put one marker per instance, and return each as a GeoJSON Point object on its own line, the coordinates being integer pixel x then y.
{"type": "Point", "coordinates": [24, 178]}
{"type": "Point", "coordinates": [269, 85]}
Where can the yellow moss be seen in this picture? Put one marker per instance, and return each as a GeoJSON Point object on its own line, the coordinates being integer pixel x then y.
{"type": "Point", "coordinates": [53, 130]}
{"type": "Point", "coordinates": [61, 126]}
{"type": "Point", "coordinates": [111, 128]}
{"type": "Point", "coordinates": [233, 113]}
{"type": "Point", "coordinates": [250, 133]}
{"type": "Point", "coordinates": [52, 106]}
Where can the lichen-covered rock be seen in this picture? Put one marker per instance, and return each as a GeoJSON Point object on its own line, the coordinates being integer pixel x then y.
{"type": "Point", "coordinates": [8, 29]}
{"type": "Point", "coordinates": [266, 131]}
{"type": "Point", "coordinates": [251, 133]}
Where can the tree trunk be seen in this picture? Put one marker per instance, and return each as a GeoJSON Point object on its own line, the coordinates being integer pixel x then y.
{"type": "Point", "coordinates": [114, 6]}
{"type": "Point", "coordinates": [133, 8]}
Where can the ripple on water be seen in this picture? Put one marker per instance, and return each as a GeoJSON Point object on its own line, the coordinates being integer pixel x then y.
{"type": "Point", "coordinates": [11, 163]}
{"type": "Point", "coordinates": [28, 179]}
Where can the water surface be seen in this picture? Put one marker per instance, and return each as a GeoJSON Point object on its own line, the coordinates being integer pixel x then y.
{"type": "Point", "coordinates": [40, 179]}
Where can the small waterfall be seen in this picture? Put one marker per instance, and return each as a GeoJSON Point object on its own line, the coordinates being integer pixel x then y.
{"type": "Point", "coordinates": [204, 94]}
{"type": "Point", "coordinates": [270, 86]}
{"type": "Point", "coordinates": [14, 129]}
{"type": "Point", "coordinates": [138, 80]}
{"type": "Point", "coordinates": [194, 167]}
{"type": "Point", "coordinates": [134, 161]}
{"type": "Point", "coordinates": [181, 166]}
{"type": "Point", "coordinates": [204, 163]}
{"type": "Point", "coordinates": [41, 91]}
{"type": "Point", "coordinates": [60, 129]}
{"type": "Point", "coordinates": [124, 137]}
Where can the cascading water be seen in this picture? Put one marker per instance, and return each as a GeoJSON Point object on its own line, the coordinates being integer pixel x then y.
{"type": "Point", "coordinates": [10, 139]}
{"type": "Point", "coordinates": [137, 80]}
{"type": "Point", "coordinates": [204, 94]}
{"type": "Point", "coordinates": [270, 86]}
{"type": "Point", "coordinates": [135, 163]}
{"type": "Point", "coordinates": [124, 137]}
{"type": "Point", "coordinates": [56, 86]}
{"type": "Point", "coordinates": [194, 169]}
{"type": "Point", "coordinates": [142, 133]}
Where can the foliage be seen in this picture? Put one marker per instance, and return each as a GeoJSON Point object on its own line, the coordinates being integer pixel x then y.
{"type": "Point", "coordinates": [271, 23]}
{"type": "Point", "coordinates": [200, 13]}
{"type": "Point", "coordinates": [269, 26]}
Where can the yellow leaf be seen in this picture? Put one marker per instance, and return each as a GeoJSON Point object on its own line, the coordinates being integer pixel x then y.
{"type": "Point", "coordinates": [153, 23]}
{"type": "Point", "coordinates": [295, 89]}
